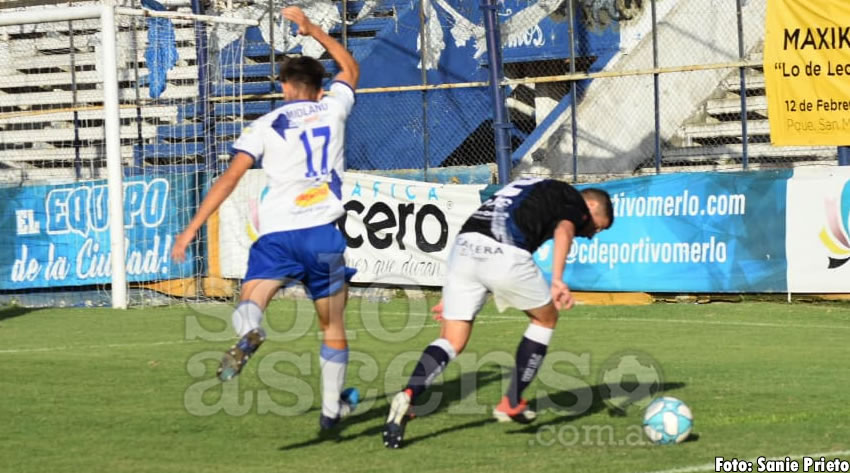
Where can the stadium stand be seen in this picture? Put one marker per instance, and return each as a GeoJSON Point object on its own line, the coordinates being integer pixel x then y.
{"type": "Point", "coordinates": [713, 133]}
{"type": "Point", "coordinates": [50, 98]}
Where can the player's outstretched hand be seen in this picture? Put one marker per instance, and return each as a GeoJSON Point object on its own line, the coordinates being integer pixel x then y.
{"type": "Point", "coordinates": [297, 16]}
{"type": "Point", "coordinates": [178, 251]}
{"type": "Point", "coordinates": [437, 311]}
{"type": "Point", "coordinates": [561, 296]}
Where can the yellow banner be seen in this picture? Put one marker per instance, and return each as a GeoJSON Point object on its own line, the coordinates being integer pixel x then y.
{"type": "Point", "coordinates": [807, 71]}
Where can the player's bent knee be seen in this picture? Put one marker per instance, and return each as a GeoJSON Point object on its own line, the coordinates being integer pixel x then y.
{"type": "Point", "coordinates": [457, 345]}
{"type": "Point", "coordinates": [546, 316]}
{"type": "Point", "coordinates": [457, 333]}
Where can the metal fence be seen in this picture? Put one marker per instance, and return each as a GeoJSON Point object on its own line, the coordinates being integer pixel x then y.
{"type": "Point", "coordinates": [592, 87]}
{"type": "Point", "coordinates": [661, 86]}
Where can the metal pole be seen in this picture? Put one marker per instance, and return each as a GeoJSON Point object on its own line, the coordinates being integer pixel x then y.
{"type": "Point", "coordinates": [78, 164]}
{"type": "Point", "coordinates": [844, 155]}
{"type": "Point", "coordinates": [204, 91]}
{"type": "Point", "coordinates": [656, 91]}
{"type": "Point", "coordinates": [423, 53]}
{"type": "Point", "coordinates": [115, 179]}
{"type": "Point", "coordinates": [573, 90]}
{"type": "Point", "coordinates": [742, 73]}
{"type": "Point", "coordinates": [51, 14]}
{"type": "Point", "coordinates": [501, 125]}
{"type": "Point", "coordinates": [271, 46]}
{"type": "Point", "coordinates": [345, 24]}
{"type": "Point", "coordinates": [209, 167]}
{"type": "Point", "coordinates": [139, 161]}
{"type": "Point", "coordinates": [180, 16]}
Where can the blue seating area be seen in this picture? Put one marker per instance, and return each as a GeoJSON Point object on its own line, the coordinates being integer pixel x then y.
{"type": "Point", "coordinates": [51, 96]}
{"type": "Point", "coordinates": [387, 130]}
{"type": "Point", "coordinates": [257, 108]}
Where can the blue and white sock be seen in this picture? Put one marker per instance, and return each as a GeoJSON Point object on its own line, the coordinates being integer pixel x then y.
{"type": "Point", "coordinates": [433, 361]}
{"type": "Point", "coordinates": [529, 357]}
{"type": "Point", "coordinates": [333, 363]}
{"type": "Point", "coordinates": [246, 317]}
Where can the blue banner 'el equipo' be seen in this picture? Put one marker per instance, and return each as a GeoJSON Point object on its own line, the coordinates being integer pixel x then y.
{"type": "Point", "coordinates": [58, 235]}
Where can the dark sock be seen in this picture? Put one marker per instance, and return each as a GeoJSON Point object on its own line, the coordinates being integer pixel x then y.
{"type": "Point", "coordinates": [529, 357]}
{"type": "Point", "coordinates": [432, 362]}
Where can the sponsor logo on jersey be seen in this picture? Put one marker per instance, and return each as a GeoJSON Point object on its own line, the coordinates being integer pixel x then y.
{"type": "Point", "coordinates": [467, 248]}
{"type": "Point", "coordinates": [313, 196]}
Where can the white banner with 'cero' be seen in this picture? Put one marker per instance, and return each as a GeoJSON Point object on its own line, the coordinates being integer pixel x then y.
{"type": "Point", "coordinates": [397, 231]}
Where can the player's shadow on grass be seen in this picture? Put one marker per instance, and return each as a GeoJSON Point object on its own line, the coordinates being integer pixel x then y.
{"type": "Point", "coordinates": [448, 393]}
{"type": "Point", "coordinates": [600, 399]}
{"type": "Point", "coordinates": [12, 312]}
{"type": "Point", "coordinates": [577, 403]}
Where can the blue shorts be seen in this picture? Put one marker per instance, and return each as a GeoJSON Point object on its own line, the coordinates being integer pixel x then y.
{"type": "Point", "coordinates": [313, 256]}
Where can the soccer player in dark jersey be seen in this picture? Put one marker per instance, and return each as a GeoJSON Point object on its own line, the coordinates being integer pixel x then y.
{"type": "Point", "coordinates": [492, 253]}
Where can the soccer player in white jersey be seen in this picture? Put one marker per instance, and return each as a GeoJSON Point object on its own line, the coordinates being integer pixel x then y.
{"type": "Point", "coordinates": [492, 253]}
{"type": "Point", "coordinates": [300, 147]}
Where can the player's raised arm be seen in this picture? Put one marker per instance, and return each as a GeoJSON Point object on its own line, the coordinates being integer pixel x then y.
{"type": "Point", "coordinates": [349, 69]}
{"type": "Point", "coordinates": [219, 191]}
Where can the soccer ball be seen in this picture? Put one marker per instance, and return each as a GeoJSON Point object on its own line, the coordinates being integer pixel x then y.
{"type": "Point", "coordinates": [667, 420]}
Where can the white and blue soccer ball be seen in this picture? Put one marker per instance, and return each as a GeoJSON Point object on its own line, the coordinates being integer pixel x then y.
{"type": "Point", "coordinates": [667, 420]}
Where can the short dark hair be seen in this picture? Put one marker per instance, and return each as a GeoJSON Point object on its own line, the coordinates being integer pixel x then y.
{"type": "Point", "coordinates": [302, 70]}
{"type": "Point", "coordinates": [603, 199]}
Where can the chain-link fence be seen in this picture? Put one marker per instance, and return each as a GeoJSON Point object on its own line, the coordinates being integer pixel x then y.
{"type": "Point", "coordinates": [54, 148]}
{"type": "Point", "coordinates": [421, 105]}
{"type": "Point", "coordinates": [185, 90]}
{"type": "Point", "coordinates": [661, 86]}
{"type": "Point", "coordinates": [51, 108]}
{"type": "Point", "coordinates": [593, 88]}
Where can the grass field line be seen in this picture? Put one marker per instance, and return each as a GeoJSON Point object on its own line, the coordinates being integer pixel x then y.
{"type": "Point", "coordinates": [731, 323]}
{"type": "Point", "coordinates": [709, 322]}
{"type": "Point", "coordinates": [14, 351]}
{"type": "Point", "coordinates": [91, 347]}
{"type": "Point", "coordinates": [711, 466]}
{"type": "Point", "coordinates": [567, 318]}
{"type": "Point", "coordinates": [484, 319]}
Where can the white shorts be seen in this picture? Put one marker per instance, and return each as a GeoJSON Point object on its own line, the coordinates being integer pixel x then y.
{"type": "Point", "coordinates": [479, 264]}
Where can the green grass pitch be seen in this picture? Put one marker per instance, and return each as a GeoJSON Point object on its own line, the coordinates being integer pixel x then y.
{"type": "Point", "coordinates": [97, 390]}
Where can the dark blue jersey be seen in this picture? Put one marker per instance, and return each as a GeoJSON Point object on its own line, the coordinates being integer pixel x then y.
{"type": "Point", "coordinates": [525, 212]}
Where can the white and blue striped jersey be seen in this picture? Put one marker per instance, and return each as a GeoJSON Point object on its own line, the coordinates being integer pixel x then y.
{"type": "Point", "coordinates": [300, 147]}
